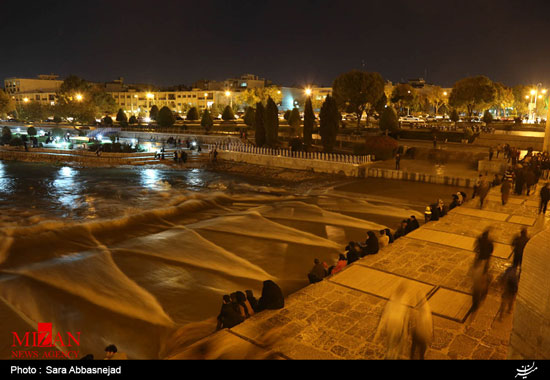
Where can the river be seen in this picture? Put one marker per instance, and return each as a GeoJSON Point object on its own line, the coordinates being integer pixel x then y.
{"type": "Point", "coordinates": [129, 255]}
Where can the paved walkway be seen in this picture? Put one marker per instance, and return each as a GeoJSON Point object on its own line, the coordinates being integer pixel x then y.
{"type": "Point", "coordinates": [338, 317]}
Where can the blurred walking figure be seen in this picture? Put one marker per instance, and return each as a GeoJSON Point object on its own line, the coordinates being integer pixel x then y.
{"type": "Point", "coordinates": [519, 242]}
{"type": "Point", "coordinates": [544, 198]}
{"type": "Point", "coordinates": [421, 327]}
{"type": "Point", "coordinates": [509, 282]}
{"type": "Point", "coordinates": [484, 248]}
{"type": "Point", "coordinates": [480, 285]}
{"type": "Point", "coordinates": [393, 324]}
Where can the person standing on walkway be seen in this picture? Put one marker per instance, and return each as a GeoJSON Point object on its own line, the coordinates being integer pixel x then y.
{"type": "Point", "coordinates": [530, 180]}
{"type": "Point", "coordinates": [520, 180]}
{"type": "Point", "coordinates": [505, 191]}
{"type": "Point", "coordinates": [476, 185]}
{"type": "Point", "coordinates": [544, 198]}
{"type": "Point", "coordinates": [491, 152]}
{"type": "Point", "coordinates": [397, 161]}
{"type": "Point", "coordinates": [519, 242]}
{"type": "Point", "coordinates": [483, 190]}
{"type": "Point", "coordinates": [421, 327]}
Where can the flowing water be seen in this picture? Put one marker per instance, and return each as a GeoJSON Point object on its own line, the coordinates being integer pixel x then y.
{"type": "Point", "coordinates": [129, 255]}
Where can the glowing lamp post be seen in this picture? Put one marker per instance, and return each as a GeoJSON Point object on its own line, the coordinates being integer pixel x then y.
{"type": "Point", "coordinates": [228, 94]}
{"type": "Point", "coordinates": [79, 97]}
{"type": "Point", "coordinates": [533, 104]}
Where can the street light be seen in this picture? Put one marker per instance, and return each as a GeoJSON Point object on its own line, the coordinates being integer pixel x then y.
{"type": "Point", "coordinates": [308, 91]}
{"type": "Point", "coordinates": [26, 100]}
{"type": "Point", "coordinates": [79, 97]}
{"type": "Point", "coordinates": [228, 94]}
{"type": "Point", "coordinates": [533, 104]}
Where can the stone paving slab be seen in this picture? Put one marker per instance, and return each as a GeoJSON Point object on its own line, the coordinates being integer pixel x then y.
{"type": "Point", "coordinates": [481, 213]}
{"type": "Point", "coordinates": [522, 220]}
{"type": "Point", "coordinates": [451, 304]}
{"type": "Point", "coordinates": [495, 198]}
{"type": "Point", "coordinates": [377, 282]}
{"type": "Point", "coordinates": [457, 241]}
{"type": "Point", "coordinates": [532, 204]}
{"type": "Point", "coordinates": [501, 232]}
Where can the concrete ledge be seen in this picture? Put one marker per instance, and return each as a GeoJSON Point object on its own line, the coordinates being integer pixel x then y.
{"type": "Point", "coordinates": [317, 166]}
{"type": "Point", "coordinates": [64, 157]}
{"type": "Point", "coordinates": [492, 166]}
{"type": "Point", "coordinates": [420, 177]}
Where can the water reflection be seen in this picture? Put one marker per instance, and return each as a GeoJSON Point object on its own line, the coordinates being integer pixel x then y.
{"type": "Point", "coordinates": [194, 178]}
{"type": "Point", "coordinates": [149, 178]}
{"type": "Point", "coordinates": [5, 182]}
{"type": "Point", "coordinates": [66, 188]}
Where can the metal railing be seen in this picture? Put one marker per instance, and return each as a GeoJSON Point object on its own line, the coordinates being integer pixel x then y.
{"type": "Point", "coordinates": [334, 157]}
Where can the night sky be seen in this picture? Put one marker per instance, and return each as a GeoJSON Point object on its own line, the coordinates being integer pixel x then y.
{"type": "Point", "coordinates": [291, 43]}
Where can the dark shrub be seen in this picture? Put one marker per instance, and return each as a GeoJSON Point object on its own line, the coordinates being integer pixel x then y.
{"type": "Point", "coordinates": [116, 148]}
{"type": "Point", "coordinates": [382, 147]}
{"type": "Point", "coordinates": [16, 141]}
{"type": "Point", "coordinates": [296, 144]}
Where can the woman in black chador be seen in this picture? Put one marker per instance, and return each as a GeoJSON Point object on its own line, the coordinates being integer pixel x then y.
{"type": "Point", "coordinates": [272, 297]}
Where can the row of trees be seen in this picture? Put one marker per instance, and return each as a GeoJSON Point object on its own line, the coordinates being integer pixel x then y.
{"type": "Point", "coordinates": [469, 95]}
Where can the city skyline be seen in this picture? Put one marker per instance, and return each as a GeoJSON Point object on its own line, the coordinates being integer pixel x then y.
{"type": "Point", "coordinates": [291, 44]}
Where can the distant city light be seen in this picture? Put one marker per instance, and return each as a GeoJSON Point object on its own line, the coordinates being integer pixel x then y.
{"type": "Point", "coordinates": [150, 96]}
{"type": "Point", "coordinates": [533, 92]}
{"type": "Point", "coordinates": [26, 100]}
{"type": "Point", "coordinates": [308, 91]}
{"type": "Point", "coordinates": [79, 97]}
{"type": "Point", "coordinates": [228, 93]}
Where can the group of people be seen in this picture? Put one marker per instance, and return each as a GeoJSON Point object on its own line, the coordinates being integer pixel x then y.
{"type": "Point", "coordinates": [406, 226]}
{"type": "Point", "coordinates": [239, 306]}
{"type": "Point", "coordinates": [438, 210]}
{"type": "Point", "coordinates": [180, 156]}
{"type": "Point", "coordinates": [356, 250]}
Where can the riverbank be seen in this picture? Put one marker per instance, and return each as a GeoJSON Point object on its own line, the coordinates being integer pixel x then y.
{"type": "Point", "coordinates": [338, 317]}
